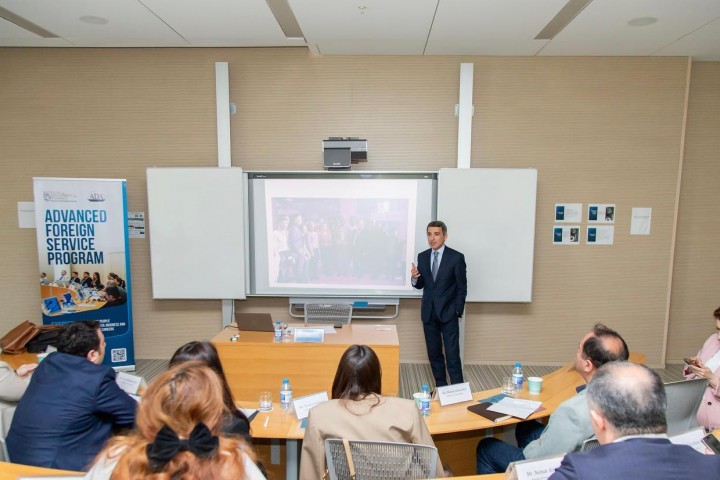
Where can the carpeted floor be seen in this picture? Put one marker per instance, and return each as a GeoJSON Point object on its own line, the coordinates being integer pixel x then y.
{"type": "Point", "coordinates": [414, 375]}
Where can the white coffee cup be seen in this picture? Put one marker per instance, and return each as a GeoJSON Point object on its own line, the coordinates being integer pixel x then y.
{"type": "Point", "coordinates": [535, 385]}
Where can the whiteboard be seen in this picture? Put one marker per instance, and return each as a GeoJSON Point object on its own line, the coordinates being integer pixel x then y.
{"type": "Point", "coordinates": [196, 229]}
{"type": "Point", "coordinates": [490, 215]}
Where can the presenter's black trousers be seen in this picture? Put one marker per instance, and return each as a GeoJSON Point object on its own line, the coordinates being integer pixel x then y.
{"type": "Point", "coordinates": [437, 335]}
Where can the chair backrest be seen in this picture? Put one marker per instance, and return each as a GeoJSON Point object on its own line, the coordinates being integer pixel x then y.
{"type": "Point", "coordinates": [590, 444]}
{"type": "Point", "coordinates": [334, 313]}
{"type": "Point", "coordinates": [6, 414]}
{"type": "Point", "coordinates": [683, 401]}
{"type": "Point", "coordinates": [4, 455]}
{"type": "Point", "coordinates": [380, 460]}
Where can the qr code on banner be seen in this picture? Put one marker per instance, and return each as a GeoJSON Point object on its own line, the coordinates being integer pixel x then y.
{"type": "Point", "coordinates": [118, 355]}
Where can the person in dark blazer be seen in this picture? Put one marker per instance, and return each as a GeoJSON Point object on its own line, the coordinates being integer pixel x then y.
{"type": "Point", "coordinates": [71, 405]}
{"type": "Point", "coordinates": [86, 280]}
{"type": "Point", "coordinates": [627, 410]}
{"type": "Point", "coordinates": [114, 296]}
{"type": "Point", "coordinates": [442, 275]}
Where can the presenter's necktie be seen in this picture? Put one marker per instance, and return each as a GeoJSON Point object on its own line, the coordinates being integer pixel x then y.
{"type": "Point", "coordinates": [434, 267]}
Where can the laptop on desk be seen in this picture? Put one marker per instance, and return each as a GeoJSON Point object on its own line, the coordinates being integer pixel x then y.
{"type": "Point", "coordinates": [254, 322]}
{"type": "Point", "coordinates": [683, 401]}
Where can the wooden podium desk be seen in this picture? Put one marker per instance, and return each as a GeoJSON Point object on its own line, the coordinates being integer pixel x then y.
{"type": "Point", "coordinates": [255, 363]}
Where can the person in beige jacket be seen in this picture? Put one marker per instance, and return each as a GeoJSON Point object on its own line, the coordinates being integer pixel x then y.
{"type": "Point", "coordinates": [12, 387]}
{"type": "Point", "coordinates": [359, 412]}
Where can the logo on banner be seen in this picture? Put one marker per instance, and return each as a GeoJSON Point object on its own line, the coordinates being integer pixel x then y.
{"type": "Point", "coordinates": [59, 197]}
{"type": "Point", "coordinates": [96, 197]}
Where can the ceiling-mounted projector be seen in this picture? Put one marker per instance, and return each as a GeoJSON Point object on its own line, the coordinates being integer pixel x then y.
{"type": "Point", "coordinates": [340, 152]}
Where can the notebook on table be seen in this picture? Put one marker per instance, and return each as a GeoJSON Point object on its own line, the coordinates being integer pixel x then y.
{"type": "Point", "coordinates": [482, 410]}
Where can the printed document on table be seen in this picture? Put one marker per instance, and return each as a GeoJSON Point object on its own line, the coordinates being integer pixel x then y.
{"type": "Point", "coordinates": [515, 407]}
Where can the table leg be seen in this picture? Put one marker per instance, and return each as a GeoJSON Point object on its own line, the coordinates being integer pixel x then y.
{"type": "Point", "coordinates": [291, 459]}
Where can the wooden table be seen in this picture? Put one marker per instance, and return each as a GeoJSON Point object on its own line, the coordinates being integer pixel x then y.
{"type": "Point", "coordinates": [11, 471]}
{"type": "Point", "coordinates": [255, 363]}
{"type": "Point", "coordinates": [455, 430]}
{"type": "Point", "coordinates": [20, 359]}
{"type": "Point", "coordinates": [80, 305]}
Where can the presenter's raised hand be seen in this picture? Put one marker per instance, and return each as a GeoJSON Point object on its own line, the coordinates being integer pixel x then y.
{"type": "Point", "coordinates": [414, 272]}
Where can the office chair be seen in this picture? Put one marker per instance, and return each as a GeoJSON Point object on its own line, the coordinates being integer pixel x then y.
{"type": "Point", "coordinates": [334, 313]}
{"type": "Point", "coordinates": [380, 460]}
{"type": "Point", "coordinates": [590, 444]}
{"type": "Point", "coordinates": [6, 415]}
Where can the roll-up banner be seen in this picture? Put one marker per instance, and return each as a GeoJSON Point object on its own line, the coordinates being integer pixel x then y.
{"type": "Point", "coordinates": [84, 261]}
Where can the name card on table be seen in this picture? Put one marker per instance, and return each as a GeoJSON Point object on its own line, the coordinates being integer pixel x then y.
{"type": "Point", "coordinates": [537, 469]}
{"type": "Point", "coordinates": [309, 335]}
{"type": "Point", "coordinates": [303, 405]}
{"type": "Point", "coordinates": [458, 393]}
{"type": "Point", "coordinates": [130, 383]}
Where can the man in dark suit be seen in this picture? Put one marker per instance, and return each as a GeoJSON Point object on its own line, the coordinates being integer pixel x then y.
{"type": "Point", "coordinates": [442, 274]}
{"type": "Point", "coordinates": [627, 410]}
{"type": "Point", "coordinates": [71, 405]}
{"type": "Point", "coordinates": [86, 280]}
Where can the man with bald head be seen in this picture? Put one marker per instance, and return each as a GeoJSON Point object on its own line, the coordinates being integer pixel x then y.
{"type": "Point", "coordinates": [627, 410]}
{"type": "Point", "coordinates": [570, 425]}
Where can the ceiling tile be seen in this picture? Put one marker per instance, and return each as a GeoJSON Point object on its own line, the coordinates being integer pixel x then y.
{"type": "Point", "coordinates": [397, 27]}
{"type": "Point", "coordinates": [490, 27]}
{"type": "Point", "coordinates": [602, 27]}
{"type": "Point", "coordinates": [222, 22]}
{"type": "Point", "coordinates": [702, 44]}
{"type": "Point", "coordinates": [130, 23]}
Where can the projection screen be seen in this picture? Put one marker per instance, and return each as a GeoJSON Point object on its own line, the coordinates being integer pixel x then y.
{"type": "Point", "coordinates": [336, 233]}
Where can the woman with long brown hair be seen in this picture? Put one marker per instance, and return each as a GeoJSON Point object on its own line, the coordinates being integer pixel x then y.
{"type": "Point", "coordinates": [178, 434]}
{"type": "Point", "coordinates": [235, 421]}
{"type": "Point", "coordinates": [359, 412]}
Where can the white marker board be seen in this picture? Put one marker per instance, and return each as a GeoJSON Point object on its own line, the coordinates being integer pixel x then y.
{"type": "Point", "coordinates": [490, 215]}
{"type": "Point", "coordinates": [197, 235]}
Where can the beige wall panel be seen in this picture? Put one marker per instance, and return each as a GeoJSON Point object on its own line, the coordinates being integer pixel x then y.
{"type": "Point", "coordinates": [289, 102]}
{"type": "Point", "coordinates": [104, 113]}
{"type": "Point", "coordinates": [600, 129]}
{"type": "Point", "coordinates": [697, 258]}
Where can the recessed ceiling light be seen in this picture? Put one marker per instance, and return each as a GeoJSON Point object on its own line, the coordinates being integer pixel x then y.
{"type": "Point", "coordinates": [642, 21]}
{"type": "Point", "coordinates": [93, 20]}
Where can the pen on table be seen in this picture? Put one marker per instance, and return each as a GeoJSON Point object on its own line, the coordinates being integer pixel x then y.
{"type": "Point", "coordinates": [267, 419]}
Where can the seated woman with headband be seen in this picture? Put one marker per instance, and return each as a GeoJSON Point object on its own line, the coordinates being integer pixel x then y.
{"type": "Point", "coordinates": [178, 434]}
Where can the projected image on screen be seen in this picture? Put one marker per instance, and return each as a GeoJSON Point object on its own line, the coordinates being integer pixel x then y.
{"type": "Point", "coordinates": [340, 234]}
{"type": "Point", "coordinates": [339, 241]}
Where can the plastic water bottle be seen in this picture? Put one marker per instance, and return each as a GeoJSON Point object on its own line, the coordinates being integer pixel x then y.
{"type": "Point", "coordinates": [285, 394]}
{"type": "Point", "coordinates": [517, 376]}
{"type": "Point", "coordinates": [278, 331]}
{"type": "Point", "coordinates": [425, 401]}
